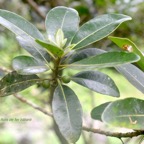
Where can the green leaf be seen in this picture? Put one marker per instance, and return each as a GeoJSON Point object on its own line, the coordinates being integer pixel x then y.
{"type": "Point", "coordinates": [84, 53]}
{"type": "Point", "coordinates": [97, 82]}
{"type": "Point", "coordinates": [26, 33]}
{"type": "Point", "coordinates": [98, 28]}
{"type": "Point", "coordinates": [133, 74]}
{"type": "Point", "coordinates": [128, 45]}
{"type": "Point", "coordinates": [26, 65]}
{"type": "Point", "coordinates": [96, 113]}
{"type": "Point", "coordinates": [54, 50]}
{"type": "Point", "coordinates": [18, 25]}
{"type": "Point", "coordinates": [14, 82]}
{"type": "Point", "coordinates": [128, 113]}
{"type": "Point", "coordinates": [34, 49]}
{"type": "Point", "coordinates": [108, 59]}
{"type": "Point", "coordinates": [67, 113]}
{"type": "Point", "coordinates": [63, 18]}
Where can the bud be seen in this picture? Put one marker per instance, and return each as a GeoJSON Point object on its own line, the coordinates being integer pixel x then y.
{"type": "Point", "coordinates": [59, 38]}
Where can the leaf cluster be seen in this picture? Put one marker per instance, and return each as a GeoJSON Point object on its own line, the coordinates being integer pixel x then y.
{"type": "Point", "coordinates": [65, 48]}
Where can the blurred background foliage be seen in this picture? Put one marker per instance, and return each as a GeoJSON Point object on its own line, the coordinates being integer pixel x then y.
{"type": "Point", "coordinates": [40, 130]}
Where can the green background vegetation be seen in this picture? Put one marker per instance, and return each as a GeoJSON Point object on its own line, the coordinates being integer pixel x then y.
{"type": "Point", "coordinates": [39, 130]}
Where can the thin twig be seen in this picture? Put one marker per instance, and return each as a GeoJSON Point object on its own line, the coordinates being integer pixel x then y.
{"type": "Point", "coordinates": [32, 104]}
{"type": "Point", "coordinates": [36, 8]}
{"type": "Point", "coordinates": [93, 130]}
{"type": "Point", "coordinates": [4, 69]}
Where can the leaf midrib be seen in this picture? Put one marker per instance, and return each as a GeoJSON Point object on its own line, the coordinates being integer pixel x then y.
{"type": "Point", "coordinates": [62, 23]}
{"type": "Point", "coordinates": [19, 83]}
{"type": "Point", "coordinates": [97, 65]}
{"type": "Point", "coordinates": [64, 96]}
{"type": "Point", "coordinates": [97, 31]}
{"type": "Point", "coordinates": [21, 36]}
{"type": "Point", "coordinates": [132, 76]}
{"type": "Point", "coordinates": [90, 80]}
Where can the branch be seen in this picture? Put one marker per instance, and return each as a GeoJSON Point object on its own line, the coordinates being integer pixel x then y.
{"type": "Point", "coordinates": [4, 69]}
{"type": "Point", "coordinates": [93, 130]}
{"type": "Point", "coordinates": [32, 105]}
{"type": "Point", "coordinates": [36, 8]}
{"type": "Point", "coordinates": [114, 134]}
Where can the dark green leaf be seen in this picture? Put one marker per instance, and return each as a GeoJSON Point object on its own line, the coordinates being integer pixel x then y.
{"type": "Point", "coordinates": [33, 48]}
{"type": "Point", "coordinates": [98, 28]}
{"type": "Point", "coordinates": [63, 18]}
{"type": "Point", "coordinates": [54, 50]}
{"type": "Point", "coordinates": [128, 113]}
{"type": "Point", "coordinates": [13, 83]}
{"type": "Point", "coordinates": [19, 25]}
{"type": "Point", "coordinates": [67, 113]}
{"type": "Point", "coordinates": [96, 113]}
{"type": "Point", "coordinates": [84, 53]}
{"type": "Point", "coordinates": [133, 74]}
{"type": "Point", "coordinates": [97, 82]}
{"type": "Point", "coordinates": [108, 59]}
{"type": "Point", "coordinates": [26, 33]}
{"type": "Point", "coordinates": [26, 65]}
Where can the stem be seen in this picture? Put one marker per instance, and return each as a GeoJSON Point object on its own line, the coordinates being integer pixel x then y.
{"type": "Point", "coordinates": [93, 130]}
{"type": "Point", "coordinates": [4, 69]}
{"type": "Point", "coordinates": [55, 75]}
{"type": "Point", "coordinates": [36, 8]}
{"type": "Point", "coordinates": [114, 134]}
{"type": "Point", "coordinates": [32, 105]}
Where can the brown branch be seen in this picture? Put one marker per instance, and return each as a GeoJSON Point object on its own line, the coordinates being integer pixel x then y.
{"type": "Point", "coordinates": [36, 8]}
{"type": "Point", "coordinates": [4, 69]}
{"type": "Point", "coordinates": [93, 130]}
{"type": "Point", "coordinates": [114, 134]}
{"type": "Point", "coordinates": [32, 104]}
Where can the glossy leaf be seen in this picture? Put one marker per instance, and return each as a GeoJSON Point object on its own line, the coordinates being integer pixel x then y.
{"type": "Point", "coordinates": [133, 74]}
{"type": "Point", "coordinates": [98, 28]}
{"type": "Point", "coordinates": [18, 25]}
{"type": "Point", "coordinates": [26, 65]}
{"type": "Point", "coordinates": [34, 49]}
{"type": "Point", "coordinates": [108, 59]}
{"type": "Point", "coordinates": [63, 18]}
{"type": "Point", "coordinates": [96, 113]}
{"type": "Point", "coordinates": [128, 113]}
{"type": "Point", "coordinates": [14, 82]}
{"type": "Point", "coordinates": [84, 53]}
{"type": "Point", "coordinates": [128, 45]}
{"type": "Point", "coordinates": [54, 50]}
{"type": "Point", "coordinates": [67, 113]}
{"type": "Point", "coordinates": [97, 82]}
{"type": "Point", "coordinates": [26, 33]}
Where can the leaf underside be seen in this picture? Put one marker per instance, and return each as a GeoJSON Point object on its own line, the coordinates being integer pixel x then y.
{"type": "Point", "coordinates": [26, 65]}
{"type": "Point", "coordinates": [133, 74]}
